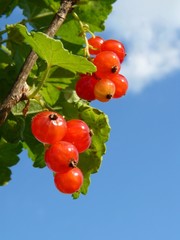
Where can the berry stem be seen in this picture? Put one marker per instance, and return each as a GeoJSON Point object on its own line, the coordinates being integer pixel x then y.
{"type": "Point", "coordinates": [84, 30]}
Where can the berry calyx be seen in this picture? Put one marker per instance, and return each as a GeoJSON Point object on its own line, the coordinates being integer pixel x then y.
{"type": "Point", "coordinates": [95, 44]}
{"type": "Point", "coordinates": [61, 156]}
{"type": "Point", "coordinates": [79, 134]}
{"type": "Point", "coordinates": [104, 90]}
{"type": "Point", "coordinates": [48, 127]}
{"type": "Point", "coordinates": [115, 46]}
{"type": "Point", "coordinates": [107, 64]}
{"type": "Point", "coordinates": [70, 181]}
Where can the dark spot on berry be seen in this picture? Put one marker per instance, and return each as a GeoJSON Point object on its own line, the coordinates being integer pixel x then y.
{"type": "Point", "coordinates": [114, 69]}
{"type": "Point", "coordinates": [53, 116]}
{"type": "Point", "coordinates": [109, 96]}
{"type": "Point", "coordinates": [72, 163]}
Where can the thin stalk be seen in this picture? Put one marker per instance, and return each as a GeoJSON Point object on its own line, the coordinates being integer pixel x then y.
{"type": "Point", "coordinates": [84, 30]}
{"type": "Point", "coordinates": [40, 85]}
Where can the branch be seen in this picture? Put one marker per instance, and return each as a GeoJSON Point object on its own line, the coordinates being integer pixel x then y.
{"type": "Point", "coordinates": [20, 87]}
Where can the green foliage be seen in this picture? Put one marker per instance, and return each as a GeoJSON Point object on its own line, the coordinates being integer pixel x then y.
{"type": "Point", "coordinates": [8, 158]}
{"type": "Point", "coordinates": [51, 81]}
{"type": "Point", "coordinates": [55, 54]}
{"type": "Point", "coordinates": [94, 13]}
{"type": "Point", "coordinates": [7, 6]}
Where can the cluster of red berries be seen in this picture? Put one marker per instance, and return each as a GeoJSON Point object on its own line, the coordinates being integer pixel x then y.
{"type": "Point", "coordinates": [63, 141]}
{"type": "Point", "coordinates": [106, 82]}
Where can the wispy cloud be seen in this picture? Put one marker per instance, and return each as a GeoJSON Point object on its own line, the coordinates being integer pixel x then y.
{"type": "Point", "coordinates": [150, 31]}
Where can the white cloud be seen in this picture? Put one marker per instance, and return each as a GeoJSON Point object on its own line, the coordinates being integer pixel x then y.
{"type": "Point", "coordinates": [150, 31]}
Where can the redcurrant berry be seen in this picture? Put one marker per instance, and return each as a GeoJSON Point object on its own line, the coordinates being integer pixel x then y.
{"type": "Point", "coordinates": [85, 87]}
{"type": "Point", "coordinates": [95, 44]}
{"type": "Point", "coordinates": [48, 127]}
{"type": "Point", "coordinates": [70, 181]}
{"type": "Point", "coordinates": [78, 133]}
{"type": "Point", "coordinates": [115, 46]}
{"type": "Point", "coordinates": [121, 85]}
{"type": "Point", "coordinates": [104, 90]}
{"type": "Point", "coordinates": [61, 156]}
{"type": "Point", "coordinates": [107, 64]}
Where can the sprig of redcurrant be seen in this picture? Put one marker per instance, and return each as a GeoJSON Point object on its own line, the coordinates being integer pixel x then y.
{"type": "Point", "coordinates": [106, 82]}
{"type": "Point", "coordinates": [63, 141]}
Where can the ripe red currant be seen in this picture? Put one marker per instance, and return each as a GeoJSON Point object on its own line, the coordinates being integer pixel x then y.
{"type": "Point", "coordinates": [85, 87]}
{"type": "Point", "coordinates": [107, 64]}
{"type": "Point", "coordinates": [115, 46]}
{"type": "Point", "coordinates": [121, 85]}
{"type": "Point", "coordinates": [95, 44]}
{"type": "Point", "coordinates": [104, 90]}
{"type": "Point", "coordinates": [48, 127]}
{"type": "Point", "coordinates": [78, 133]}
{"type": "Point", "coordinates": [61, 156]}
{"type": "Point", "coordinates": [70, 181]}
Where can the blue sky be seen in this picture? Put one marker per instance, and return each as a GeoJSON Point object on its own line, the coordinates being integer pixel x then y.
{"type": "Point", "coordinates": [136, 194]}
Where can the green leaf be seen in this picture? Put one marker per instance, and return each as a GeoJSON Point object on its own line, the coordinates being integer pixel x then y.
{"type": "Point", "coordinates": [33, 107]}
{"type": "Point", "coordinates": [39, 13]}
{"type": "Point", "coordinates": [5, 58]}
{"type": "Point", "coordinates": [70, 103]}
{"type": "Point", "coordinates": [58, 79]}
{"type": "Point", "coordinates": [7, 78]}
{"type": "Point", "coordinates": [32, 8]}
{"type": "Point", "coordinates": [71, 28]}
{"type": "Point", "coordinates": [7, 6]}
{"type": "Point", "coordinates": [73, 47]}
{"type": "Point", "coordinates": [7, 72]}
{"type": "Point", "coordinates": [34, 148]}
{"type": "Point", "coordinates": [50, 93]}
{"type": "Point", "coordinates": [12, 129]}
{"type": "Point", "coordinates": [90, 161]}
{"type": "Point", "coordinates": [91, 12]}
{"type": "Point", "coordinates": [55, 54]}
{"type": "Point", "coordinates": [9, 153]}
{"type": "Point", "coordinates": [94, 13]}
{"type": "Point", "coordinates": [5, 175]}
{"type": "Point", "coordinates": [54, 5]}
{"type": "Point", "coordinates": [19, 50]}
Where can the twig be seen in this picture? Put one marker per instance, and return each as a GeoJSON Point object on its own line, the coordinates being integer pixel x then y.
{"type": "Point", "coordinates": [20, 87]}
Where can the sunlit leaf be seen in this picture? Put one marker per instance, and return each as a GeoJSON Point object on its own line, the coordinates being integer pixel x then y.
{"type": "Point", "coordinates": [55, 53]}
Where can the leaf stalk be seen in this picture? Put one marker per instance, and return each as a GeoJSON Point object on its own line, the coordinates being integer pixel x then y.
{"type": "Point", "coordinates": [41, 83]}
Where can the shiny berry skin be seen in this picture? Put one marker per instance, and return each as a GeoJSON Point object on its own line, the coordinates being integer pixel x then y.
{"type": "Point", "coordinates": [85, 87]}
{"type": "Point", "coordinates": [115, 46]}
{"type": "Point", "coordinates": [61, 157]}
{"type": "Point", "coordinates": [95, 43]}
{"type": "Point", "coordinates": [70, 181]}
{"type": "Point", "coordinates": [107, 64]}
{"type": "Point", "coordinates": [104, 90]}
{"type": "Point", "coordinates": [121, 85]}
{"type": "Point", "coordinates": [48, 127]}
{"type": "Point", "coordinates": [78, 133]}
